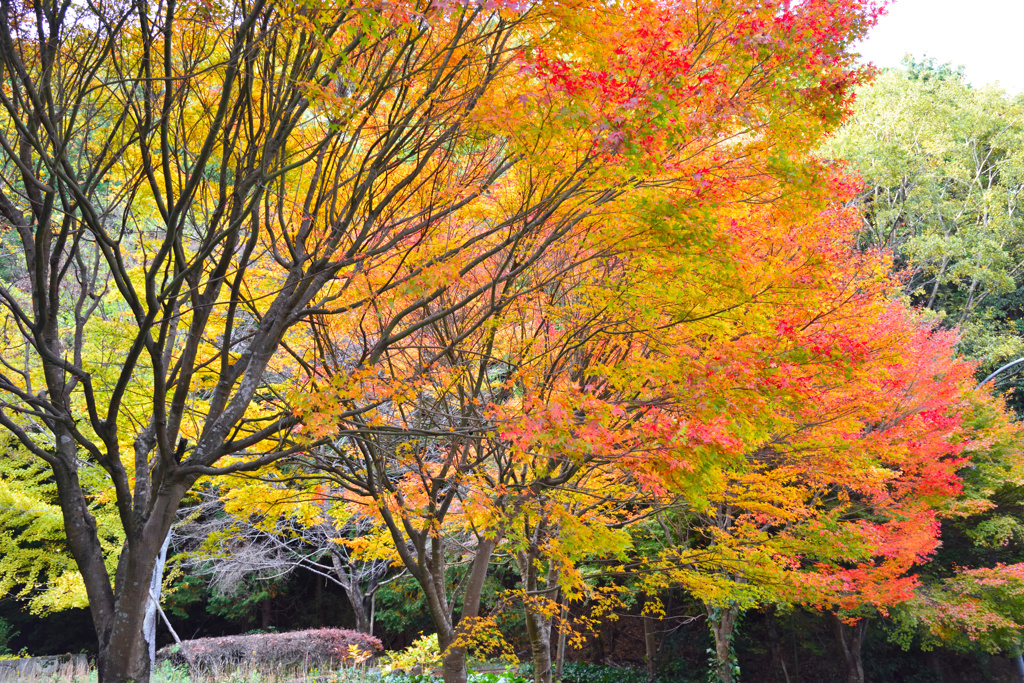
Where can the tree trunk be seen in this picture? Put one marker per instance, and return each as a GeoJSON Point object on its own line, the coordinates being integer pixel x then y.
{"type": "Point", "coordinates": [373, 610]}
{"type": "Point", "coordinates": [723, 623]}
{"type": "Point", "coordinates": [538, 630]}
{"type": "Point", "coordinates": [123, 650]}
{"type": "Point", "coordinates": [851, 640]}
{"type": "Point", "coordinates": [353, 591]}
{"type": "Point", "coordinates": [265, 614]}
{"type": "Point", "coordinates": [538, 621]}
{"type": "Point", "coordinates": [452, 638]}
{"type": "Point", "coordinates": [362, 622]}
{"type": "Point", "coordinates": [358, 610]}
{"type": "Point", "coordinates": [650, 645]}
{"type": "Point", "coordinates": [318, 600]}
{"type": "Point", "coordinates": [560, 656]}
{"type": "Point", "coordinates": [938, 278]}
{"type": "Point", "coordinates": [775, 640]}
{"type": "Point", "coordinates": [453, 666]}
{"type": "Point", "coordinates": [124, 653]}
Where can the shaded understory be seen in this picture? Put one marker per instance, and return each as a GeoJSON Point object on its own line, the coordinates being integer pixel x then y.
{"type": "Point", "coordinates": [794, 647]}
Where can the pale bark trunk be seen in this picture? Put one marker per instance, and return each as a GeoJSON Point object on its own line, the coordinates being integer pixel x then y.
{"type": "Point", "coordinates": [560, 655]}
{"type": "Point", "coordinates": [373, 611]}
{"type": "Point", "coordinates": [776, 645]}
{"type": "Point", "coordinates": [356, 598]}
{"type": "Point", "coordinates": [851, 641]}
{"type": "Point", "coordinates": [723, 623]}
{"type": "Point", "coordinates": [938, 278]}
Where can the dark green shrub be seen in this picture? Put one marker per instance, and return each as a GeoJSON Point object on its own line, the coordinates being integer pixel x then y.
{"type": "Point", "coordinates": [7, 634]}
{"type": "Point", "coordinates": [585, 672]}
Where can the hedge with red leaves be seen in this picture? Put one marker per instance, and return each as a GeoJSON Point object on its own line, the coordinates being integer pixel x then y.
{"type": "Point", "coordinates": [312, 648]}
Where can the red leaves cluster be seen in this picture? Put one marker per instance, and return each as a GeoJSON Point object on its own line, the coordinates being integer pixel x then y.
{"type": "Point", "coordinates": [688, 77]}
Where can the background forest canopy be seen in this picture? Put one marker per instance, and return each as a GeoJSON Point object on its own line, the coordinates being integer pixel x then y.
{"type": "Point", "coordinates": [533, 327]}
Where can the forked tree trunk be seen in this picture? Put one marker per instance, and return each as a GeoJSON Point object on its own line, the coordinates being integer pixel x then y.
{"type": "Point", "coordinates": [362, 619]}
{"type": "Point", "coordinates": [451, 635]}
{"type": "Point", "coordinates": [538, 621]}
{"type": "Point", "coordinates": [851, 642]}
{"type": "Point", "coordinates": [361, 599]}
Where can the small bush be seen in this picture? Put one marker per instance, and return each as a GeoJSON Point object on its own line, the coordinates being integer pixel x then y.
{"type": "Point", "coordinates": [323, 647]}
{"type": "Point", "coordinates": [424, 651]}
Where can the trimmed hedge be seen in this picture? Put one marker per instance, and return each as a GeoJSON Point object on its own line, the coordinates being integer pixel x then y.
{"type": "Point", "coordinates": [308, 649]}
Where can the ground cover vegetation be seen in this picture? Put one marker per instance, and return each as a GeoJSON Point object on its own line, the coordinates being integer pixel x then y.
{"type": "Point", "coordinates": [505, 332]}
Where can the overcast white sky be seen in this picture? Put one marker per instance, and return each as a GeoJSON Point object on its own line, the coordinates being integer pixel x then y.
{"type": "Point", "coordinates": [986, 36]}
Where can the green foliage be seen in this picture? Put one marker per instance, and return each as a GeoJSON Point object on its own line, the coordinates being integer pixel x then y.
{"type": "Point", "coordinates": [239, 607]}
{"type": "Point", "coordinates": [401, 606]}
{"type": "Point", "coordinates": [733, 663]}
{"type": "Point", "coordinates": [7, 634]}
{"type": "Point", "coordinates": [943, 165]}
{"type": "Point", "coordinates": [424, 651]}
{"type": "Point", "coordinates": [927, 69]}
{"type": "Point", "coordinates": [242, 606]}
{"type": "Point", "coordinates": [35, 562]}
{"type": "Point", "coordinates": [585, 672]}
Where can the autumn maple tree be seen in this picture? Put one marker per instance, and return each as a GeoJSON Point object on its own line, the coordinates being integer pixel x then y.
{"type": "Point", "coordinates": [467, 261]}
{"type": "Point", "coordinates": [837, 453]}
{"type": "Point", "coordinates": [189, 184]}
{"type": "Point", "coordinates": [421, 426]}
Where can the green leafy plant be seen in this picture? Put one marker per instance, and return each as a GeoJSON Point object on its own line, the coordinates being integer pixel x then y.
{"type": "Point", "coordinates": [7, 634]}
{"type": "Point", "coordinates": [585, 672]}
{"type": "Point", "coordinates": [424, 651]}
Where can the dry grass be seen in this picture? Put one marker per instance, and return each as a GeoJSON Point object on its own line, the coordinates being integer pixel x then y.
{"type": "Point", "coordinates": [70, 673]}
